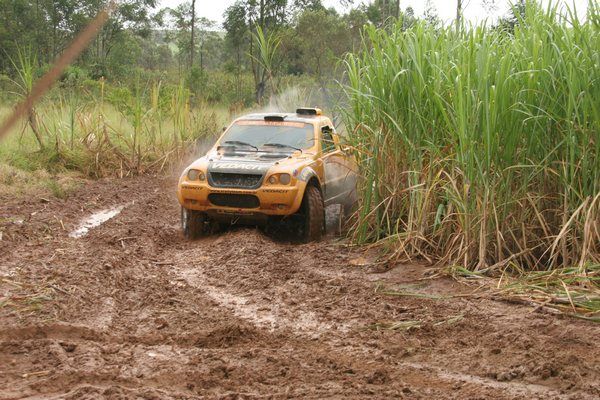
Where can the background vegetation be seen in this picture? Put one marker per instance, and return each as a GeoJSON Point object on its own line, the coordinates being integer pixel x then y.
{"type": "Point", "coordinates": [156, 81]}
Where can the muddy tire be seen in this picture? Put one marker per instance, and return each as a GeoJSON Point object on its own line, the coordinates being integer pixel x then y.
{"type": "Point", "coordinates": [313, 212]}
{"type": "Point", "coordinates": [193, 223]}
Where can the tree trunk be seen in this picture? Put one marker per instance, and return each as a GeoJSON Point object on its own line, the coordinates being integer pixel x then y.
{"type": "Point", "coordinates": [262, 15]}
{"type": "Point", "coordinates": [458, 14]}
{"type": "Point", "coordinates": [192, 34]}
{"type": "Point", "coordinates": [202, 54]}
{"type": "Point", "coordinates": [260, 92]}
{"type": "Point", "coordinates": [239, 75]}
{"type": "Point", "coordinates": [255, 71]}
{"type": "Point", "coordinates": [32, 119]}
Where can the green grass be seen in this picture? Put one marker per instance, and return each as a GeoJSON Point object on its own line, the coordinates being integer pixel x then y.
{"type": "Point", "coordinates": [480, 148]}
{"type": "Point", "coordinates": [111, 131]}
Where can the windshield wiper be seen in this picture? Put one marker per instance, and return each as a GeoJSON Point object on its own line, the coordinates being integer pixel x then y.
{"type": "Point", "coordinates": [281, 146]}
{"type": "Point", "coordinates": [234, 142]}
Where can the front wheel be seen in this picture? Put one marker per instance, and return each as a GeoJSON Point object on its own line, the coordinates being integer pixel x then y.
{"type": "Point", "coordinates": [193, 223]}
{"type": "Point", "coordinates": [313, 212]}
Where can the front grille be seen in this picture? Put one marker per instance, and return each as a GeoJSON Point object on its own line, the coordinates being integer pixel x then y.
{"type": "Point", "coordinates": [229, 180]}
{"type": "Point", "coordinates": [234, 200]}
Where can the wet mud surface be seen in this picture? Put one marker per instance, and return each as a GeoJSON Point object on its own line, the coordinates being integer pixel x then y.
{"type": "Point", "coordinates": [128, 309]}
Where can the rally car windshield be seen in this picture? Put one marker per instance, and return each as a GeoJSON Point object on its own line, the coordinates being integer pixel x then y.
{"type": "Point", "coordinates": [280, 136]}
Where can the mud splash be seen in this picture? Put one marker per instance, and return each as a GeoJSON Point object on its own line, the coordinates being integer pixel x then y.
{"type": "Point", "coordinates": [96, 220]}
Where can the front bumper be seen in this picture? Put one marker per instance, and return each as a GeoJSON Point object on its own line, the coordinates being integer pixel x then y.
{"type": "Point", "coordinates": [266, 200]}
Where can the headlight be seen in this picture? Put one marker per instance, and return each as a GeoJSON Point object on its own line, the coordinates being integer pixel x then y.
{"type": "Point", "coordinates": [273, 179]}
{"type": "Point", "coordinates": [193, 174]}
{"type": "Point", "coordinates": [285, 179]}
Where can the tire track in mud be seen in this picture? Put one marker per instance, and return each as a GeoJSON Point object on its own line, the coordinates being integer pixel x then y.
{"type": "Point", "coordinates": [144, 313]}
{"type": "Point", "coordinates": [79, 337]}
{"type": "Point", "coordinates": [248, 308]}
{"type": "Point", "coordinates": [265, 313]}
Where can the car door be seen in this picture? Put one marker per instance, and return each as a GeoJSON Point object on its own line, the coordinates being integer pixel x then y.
{"type": "Point", "coordinates": [340, 180]}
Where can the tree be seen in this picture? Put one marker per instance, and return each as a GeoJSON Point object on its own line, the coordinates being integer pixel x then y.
{"type": "Point", "coordinates": [355, 20]}
{"type": "Point", "coordinates": [268, 16]}
{"type": "Point", "coordinates": [192, 25]}
{"type": "Point", "coordinates": [515, 15]}
{"type": "Point", "coordinates": [187, 27]}
{"type": "Point", "coordinates": [304, 5]}
{"type": "Point", "coordinates": [408, 18]}
{"type": "Point", "coordinates": [47, 26]}
{"type": "Point", "coordinates": [130, 15]}
{"type": "Point", "coordinates": [459, 13]}
{"type": "Point", "coordinates": [430, 15]}
{"type": "Point", "coordinates": [236, 37]}
{"type": "Point", "coordinates": [206, 35]}
{"type": "Point", "coordinates": [380, 12]}
{"type": "Point", "coordinates": [267, 58]}
{"type": "Point", "coordinates": [489, 5]}
{"type": "Point", "coordinates": [319, 56]}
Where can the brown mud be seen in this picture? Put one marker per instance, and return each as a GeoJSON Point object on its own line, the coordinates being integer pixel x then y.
{"type": "Point", "coordinates": [129, 309]}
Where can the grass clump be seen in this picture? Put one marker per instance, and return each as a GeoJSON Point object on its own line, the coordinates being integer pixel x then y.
{"type": "Point", "coordinates": [574, 291]}
{"type": "Point", "coordinates": [481, 147]}
{"type": "Point", "coordinates": [17, 182]}
{"type": "Point", "coordinates": [103, 130]}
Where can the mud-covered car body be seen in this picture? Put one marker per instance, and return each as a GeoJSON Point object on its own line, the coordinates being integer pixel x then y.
{"type": "Point", "coordinates": [250, 181]}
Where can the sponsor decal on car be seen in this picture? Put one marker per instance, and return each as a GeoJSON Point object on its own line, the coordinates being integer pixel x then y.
{"type": "Point", "coordinates": [275, 191]}
{"type": "Point", "coordinates": [239, 166]}
{"type": "Point", "coordinates": [275, 123]}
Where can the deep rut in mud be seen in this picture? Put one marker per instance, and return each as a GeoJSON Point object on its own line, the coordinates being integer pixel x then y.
{"type": "Point", "coordinates": [129, 309]}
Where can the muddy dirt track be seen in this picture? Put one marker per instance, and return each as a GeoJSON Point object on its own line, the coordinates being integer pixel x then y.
{"type": "Point", "coordinates": [131, 310]}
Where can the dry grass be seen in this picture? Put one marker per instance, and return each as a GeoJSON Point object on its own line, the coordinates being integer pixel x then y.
{"type": "Point", "coordinates": [572, 291]}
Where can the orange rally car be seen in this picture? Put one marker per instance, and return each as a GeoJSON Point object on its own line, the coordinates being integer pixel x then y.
{"type": "Point", "coordinates": [269, 168]}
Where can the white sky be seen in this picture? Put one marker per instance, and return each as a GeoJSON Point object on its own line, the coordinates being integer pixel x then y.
{"type": "Point", "coordinates": [446, 9]}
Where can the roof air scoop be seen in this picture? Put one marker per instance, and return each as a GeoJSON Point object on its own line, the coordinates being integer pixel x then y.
{"type": "Point", "coordinates": [275, 118]}
{"type": "Point", "coordinates": [309, 111]}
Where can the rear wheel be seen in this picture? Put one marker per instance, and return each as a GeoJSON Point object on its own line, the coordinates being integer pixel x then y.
{"type": "Point", "coordinates": [313, 212]}
{"type": "Point", "coordinates": [193, 223]}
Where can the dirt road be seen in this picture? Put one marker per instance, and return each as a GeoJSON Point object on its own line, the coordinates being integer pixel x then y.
{"type": "Point", "coordinates": [132, 310]}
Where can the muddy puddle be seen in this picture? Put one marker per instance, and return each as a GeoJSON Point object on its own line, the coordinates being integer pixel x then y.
{"type": "Point", "coordinates": [96, 219]}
